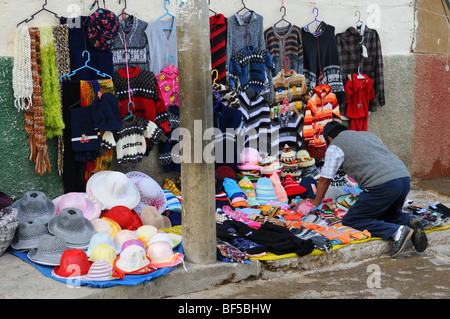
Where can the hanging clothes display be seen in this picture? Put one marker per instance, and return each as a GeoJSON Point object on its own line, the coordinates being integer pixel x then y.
{"type": "Point", "coordinates": [145, 95]}
{"type": "Point", "coordinates": [137, 44]}
{"type": "Point", "coordinates": [218, 43]}
{"type": "Point", "coordinates": [285, 42]}
{"type": "Point", "coordinates": [321, 59]}
{"type": "Point", "coordinates": [169, 155]}
{"type": "Point", "coordinates": [244, 31]}
{"type": "Point", "coordinates": [359, 48]}
{"type": "Point", "coordinates": [99, 59]}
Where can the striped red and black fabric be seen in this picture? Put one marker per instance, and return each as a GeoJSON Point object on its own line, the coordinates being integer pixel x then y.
{"type": "Point", "coordinates": [218, 42]}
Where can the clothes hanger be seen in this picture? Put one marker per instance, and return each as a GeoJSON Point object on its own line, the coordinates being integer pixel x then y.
{"type": "Point", "coordinates": [316, 21]}
{"type": "Point", "coordinates": [215, 13]}
{"type": "Point", "coordinates": [124, 14]}
{"type": "Point", "coordinates": [85, 66]}
{"type": "Point", "coordinates": [171, 57]}
{"type": "Point", "coordinates": [244, 7]}
{"type": "Point", "coordinates": [166, 14]}
{"type": "Point", "coordinates": [358, 24]}
{"type": "Point", "coordinates": [39, 11]}
{"type": "Point", "coordinates": [283, 8]}
{"type": "Point", "coordinates": [216, 77]}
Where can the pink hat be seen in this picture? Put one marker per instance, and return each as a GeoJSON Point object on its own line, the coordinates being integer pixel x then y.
{"type": "Point", "coordinates": [249, 159]}
{"type": "Point", "coordinates": [151, 193]}
{"type": "Point", "coordinates": [88, 205]}
{"type": "Point", "coordinates": [161, 255]}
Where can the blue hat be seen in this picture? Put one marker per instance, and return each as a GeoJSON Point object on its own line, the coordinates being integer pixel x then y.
{"type": "Point", "coordinates": [265, 191]}
{"type": "Point", "coordinates": [330, 126]}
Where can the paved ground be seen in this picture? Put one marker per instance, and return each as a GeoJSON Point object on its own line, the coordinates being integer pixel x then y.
{"type": "Point", "coordinates": [411, 276]}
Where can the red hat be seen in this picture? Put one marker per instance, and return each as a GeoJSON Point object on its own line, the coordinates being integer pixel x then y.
{"type": "Point", "coordinates": [74, 263]}
{"type": "Point", "coordinates": [292, 187]}
{"type": "Point", "coordinates": [126, 218]}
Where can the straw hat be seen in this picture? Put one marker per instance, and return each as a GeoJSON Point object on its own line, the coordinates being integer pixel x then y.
{"type": "Point", "coordinates": [150, 216]}
{"type": "Point", "coordinates": [49, 250]}
{"type": "Point", "coordinates": [133, 260]}
{"type": "Point", "coordinates": [28, 234]}
{"type": "Point", "coordinates": [113, 188]}
{"type": "Point", "coordinates": [74, 264]}
{"type": "Point", "coordinates": [35, 205]}
{"type": "Point", "coordinates": [162, 256]}
{"type": "Point", "coordinates": [75, 229]}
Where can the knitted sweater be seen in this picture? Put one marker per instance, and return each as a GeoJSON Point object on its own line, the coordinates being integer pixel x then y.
{"type": "Point", "coordinates": [247, 69]}
{"type": "Point", "coordinates": [162, 44]}
{"type": "Point", "coordinates": [137, 45]}
{"type": "Point", "coordinates": [227, 120]}
{"type": "Point", "coordinates": [218, 43]}
{"type": "Point", "coordinates": [167, 150]}
{"type": "Point", "coordinates": [285, 42]}
{"type": "Point", "coordinates": [242, 31]}
{"type": "Point", "coordinates": [145, 95]}
{"type": "Point", "coordinates": [256, 126]}
{"type": "Point", "coordinates": [321, 57]}
{"type": "Point", "coordinates": [130, 140]}
{"type": "Point", "coordinates": [168, 85]}
{"type": "Point", "coordinates": [367, 159]}
{"type": "Point", "coordinates": [322, 108]}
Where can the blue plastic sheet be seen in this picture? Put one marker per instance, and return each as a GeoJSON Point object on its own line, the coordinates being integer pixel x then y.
{"type": "Point", "coordinates": [129, 280]}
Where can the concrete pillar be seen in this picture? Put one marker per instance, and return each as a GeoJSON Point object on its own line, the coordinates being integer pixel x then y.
{"type": "Point", "coordinates": [196, 115]}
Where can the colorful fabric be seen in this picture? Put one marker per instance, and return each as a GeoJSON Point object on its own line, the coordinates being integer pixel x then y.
{"type": "Point", "coordinates": [247, 186]}
{"type": "Point", "coordinates": [171, 187]}
{"type": "Point", "coordinates": [228, 253]}
{"type": "Point", "coordinates": [168, 85]}
{"type": "Point", "coordinates": [323, 107]}
{"type": "Point", "coordinates": [102, 29]}
{"type": "Point", "coordinates": [34, 115]}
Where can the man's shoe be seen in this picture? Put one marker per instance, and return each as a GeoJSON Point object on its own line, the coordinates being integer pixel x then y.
{"type": "Point", "coordinates": [398, 245]}
{"type": "Point", "coordinates": [419, 238]}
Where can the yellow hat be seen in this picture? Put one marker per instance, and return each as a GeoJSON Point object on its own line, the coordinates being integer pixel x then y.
{"type": "Point", "coordinates": [103, 252]}
{"type": "Point", "coordinates": [146, 232]}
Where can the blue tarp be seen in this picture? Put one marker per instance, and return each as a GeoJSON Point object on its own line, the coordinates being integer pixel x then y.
{"type": "Point", "coordinates": [129, 280]}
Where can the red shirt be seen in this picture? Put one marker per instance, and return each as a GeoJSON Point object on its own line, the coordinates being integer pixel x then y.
{"type": "Point", "coordinates": [359, 93]}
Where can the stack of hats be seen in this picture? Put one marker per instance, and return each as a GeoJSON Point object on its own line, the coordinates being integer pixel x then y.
{"type": "Point", "coordinates": [290, 162]}
{"type": "Point", "coordinates": [271, 165]}
{"type": "Point", "coordinates": [305, 164]}
{"type": "Point", "coordinates": [248, 165]}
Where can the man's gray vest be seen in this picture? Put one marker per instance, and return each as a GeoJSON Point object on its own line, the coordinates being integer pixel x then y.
{"type": "Point", "coordinates": [367, 159]}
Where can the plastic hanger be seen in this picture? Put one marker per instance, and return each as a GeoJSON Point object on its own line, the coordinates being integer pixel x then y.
{"type": "Point", "coordinates": [315, 20]}
{"type": "Point", "coordinates": [216, 77]}
{"type": "Point", "coordinates": [360, 76]}
{"type": "Point", "coordinates": [285, 106]}
{"type": "Point", "coordinates": [39, 11]}
{"type": "Point", "coordinates": [124, 14]}
{"type": "Point", "coordinates": [358, 24]}
{"type": "Point", "coordinates": [166, 14]}
{"type": "Point", "coordinates": [244, 8]}
{"type": "Point", "coordinates": [85, 66]}
{"type": "Point", "coordinates": [215, 13]}
{"type": "Point", "coordinates": [171, 57]}
{"type": "Point", "coordinates": [282, 17]}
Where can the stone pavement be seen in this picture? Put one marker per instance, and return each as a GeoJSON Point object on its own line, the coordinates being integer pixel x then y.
{"type": "Point", "coordinates": [20, 280]}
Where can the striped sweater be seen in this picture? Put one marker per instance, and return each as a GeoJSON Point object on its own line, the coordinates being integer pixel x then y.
{"type": "Point", "coordinates": [130, 140]}
{"type": "Point", "coordinates": [323, 107]}
{"type": "Point", "coordinates": [285, 42]}
{"type": "Point", "coordinates": [257, 127]}
{"type": "Point", "coordinates": [218, 42]}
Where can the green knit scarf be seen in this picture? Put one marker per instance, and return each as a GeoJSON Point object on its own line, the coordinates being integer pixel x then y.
{"type": "Point", "coordinates": [54, 123]}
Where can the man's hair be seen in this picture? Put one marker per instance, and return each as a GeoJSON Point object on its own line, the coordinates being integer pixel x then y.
{"type": "Point", "coordinates": [332, 129]}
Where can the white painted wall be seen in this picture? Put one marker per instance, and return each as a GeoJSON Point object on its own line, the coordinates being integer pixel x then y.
{"type": "Point", "coordinates": [394, 20]}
